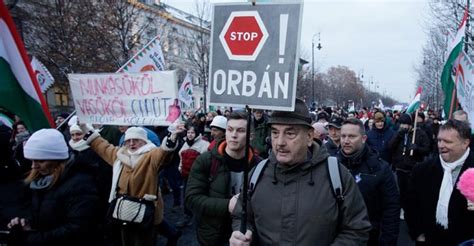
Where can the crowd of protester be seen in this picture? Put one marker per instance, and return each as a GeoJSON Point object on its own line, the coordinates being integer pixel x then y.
{"type": "Point", "coordinates": [392, 166]}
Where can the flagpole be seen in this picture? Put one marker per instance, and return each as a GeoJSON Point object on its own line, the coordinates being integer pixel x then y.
{"type": "Point", "coordinates": [414, 131]}
{"type": "Point", "coordinates": [466, 36]}
{"type": "Point", "coordinates": [66, 120]}
{"type": "Point", "coordinates": [453, 96]}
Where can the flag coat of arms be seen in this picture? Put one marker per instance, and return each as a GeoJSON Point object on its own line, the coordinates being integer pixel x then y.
{"type": "Point", "coordinates": [45, 79]}
{"type": "Point", "coordinates": [20, 92]}
{"type": "Point", "coordinates": [185, 93]}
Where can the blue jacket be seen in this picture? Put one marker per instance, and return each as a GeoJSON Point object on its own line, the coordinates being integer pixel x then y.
{"type": "Point", "coordinates": [378, 140]}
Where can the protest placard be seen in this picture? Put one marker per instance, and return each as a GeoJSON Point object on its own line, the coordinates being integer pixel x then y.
{"type": "Point", "coordinates": [148, 98]}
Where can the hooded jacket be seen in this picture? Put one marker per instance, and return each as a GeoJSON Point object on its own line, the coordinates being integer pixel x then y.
{"type": "Point", "coordinates": [208, 195]}
{"type": "Point", "coordinates": [379, 189]}
{"type": "Point", "coordinates": [295, 205]}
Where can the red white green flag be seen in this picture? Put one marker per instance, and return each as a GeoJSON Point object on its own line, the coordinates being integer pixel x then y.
{"type": "Point", "coordinates": [454, 49]}
{"type": "Point", "coordinates": [415, 104]}
{"type": "Point", "coordinates": [19, 90]}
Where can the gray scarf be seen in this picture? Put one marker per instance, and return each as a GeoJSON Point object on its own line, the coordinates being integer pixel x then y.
{"type": "Point", "coordinates": [41, 183]}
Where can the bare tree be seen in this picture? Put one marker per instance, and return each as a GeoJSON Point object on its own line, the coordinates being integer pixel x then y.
{"type": "Point", "coordinates": [197, 44]}
{"type": "Point", "coordinates": [86, 36]}
{"type": "Point", "coordinates": [444, 17]}
{"type": "Point", "coordinates": [59, 34]}
{"type": "Point", "coordinates": [122, 27]}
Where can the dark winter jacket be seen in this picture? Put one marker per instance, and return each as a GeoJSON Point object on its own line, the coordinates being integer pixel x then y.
{"type": "Point", "coordinates": [102, 173]}
{"type": "Point", "coordinates": [400, 146]}
{"type": "Point", "coordinates": [208, 195]}
{"type": "Point", "coordinates": [423, 196]}
{"type": "Point", "coordinates": [379, 189]}
{"type": "Point", "coordinates": [65, 214]}
{"type": "Point", "coordinates": [260, 133]}
{"type": "Point", "coordinates": [378, 139]}
{"type": "Point", "coordinates": [295, 205]}
{"type": "Point", "coordinates": [331, 147]}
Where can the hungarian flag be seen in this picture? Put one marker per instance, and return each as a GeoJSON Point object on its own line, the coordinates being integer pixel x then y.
{"type": "Point", "coordinates": [415, 104]}
{"type": "Point", "coordinates": [185, 93]}
{"type": "Point", "coordinates": [455, 47]}
{"type": "Point", "coordinates": [19, 89]}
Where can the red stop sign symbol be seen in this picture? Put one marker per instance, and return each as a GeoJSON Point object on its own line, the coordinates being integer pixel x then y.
{"type": "Point", "coordinates": [243, 35]}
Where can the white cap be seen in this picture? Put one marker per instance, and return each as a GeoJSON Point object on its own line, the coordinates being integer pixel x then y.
{"type": "Point", "coordinates": [219, 122]}
{"type": "Point", "coordinates": [46, 144]}
{"type": "Point", "coordinates": [136, 133]}
{"type": "Point", "coordinates": [75, 128]}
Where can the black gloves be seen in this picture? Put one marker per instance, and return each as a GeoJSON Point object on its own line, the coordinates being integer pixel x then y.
{"type": "Point", "coordinates": [413, 147]}
{"type": "Point", "coordinates": [402, 132]}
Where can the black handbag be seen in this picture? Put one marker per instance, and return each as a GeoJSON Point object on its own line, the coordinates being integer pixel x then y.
{"type": "Point", "coordinates": [131, 211]}
{"type": "Point", "coordinates": [128, 210]}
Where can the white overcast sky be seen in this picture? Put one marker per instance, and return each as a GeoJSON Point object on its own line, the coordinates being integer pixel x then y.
{"type": "Point", "coordinates": [382, 39]}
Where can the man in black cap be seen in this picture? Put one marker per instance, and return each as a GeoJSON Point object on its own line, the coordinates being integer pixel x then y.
{"type": "Point", "coordinates": [293, 201]}
{"type": "Point", "coordinates": [405, 153]}
{"type": "Point", "coordinates": [334, 142]}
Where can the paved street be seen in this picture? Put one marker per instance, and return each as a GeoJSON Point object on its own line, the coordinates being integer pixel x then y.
{"type": "Point", "coordinates": [189, 235]}
{"type": "Point", "coordinates": [172, 216]}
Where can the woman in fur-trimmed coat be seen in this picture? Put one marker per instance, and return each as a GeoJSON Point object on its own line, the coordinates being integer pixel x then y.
{"type": "Point", "coordinates": [135, 173]}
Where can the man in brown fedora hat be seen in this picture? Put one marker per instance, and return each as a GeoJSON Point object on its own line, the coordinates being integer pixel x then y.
{"type": "Point", "coordinates": [293, 202]}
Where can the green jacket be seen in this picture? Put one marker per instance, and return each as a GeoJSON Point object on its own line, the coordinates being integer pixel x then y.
{"type": "Point", "coordinates": [295, 205]}
{"type": "Point", "coordinates": [208, 195]}
{"type": "Point", "coordinates": [260, 132]}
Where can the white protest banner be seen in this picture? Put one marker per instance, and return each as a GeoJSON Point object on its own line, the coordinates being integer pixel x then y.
{"type": "Point", "coordinates": [185, 93]}
{"type": "Point", "coordinates": [149, 58]}
{"type": "Point", "coordinates": [148, 98]}
{"type": "Point", "coordinates": [44, 77]}
{"type": "Point", "coordinates": [464, 79]}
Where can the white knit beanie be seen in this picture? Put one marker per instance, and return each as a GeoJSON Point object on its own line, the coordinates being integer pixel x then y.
{"type": "Point", "coordinates": [46, 144]}
{"type": "Point", "coordinates": [136, 133]}
{"type": "Point", "coordinates": [75, 128]}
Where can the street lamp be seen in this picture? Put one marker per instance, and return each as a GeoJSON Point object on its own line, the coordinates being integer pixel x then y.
{"type": "Point", "coordinates": [312, 62]}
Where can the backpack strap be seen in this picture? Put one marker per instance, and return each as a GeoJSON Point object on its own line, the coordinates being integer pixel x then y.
{"type": "Point", "coordinates": [335, 176]}
{"type": "Point", "coordinates": [257, 173]}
